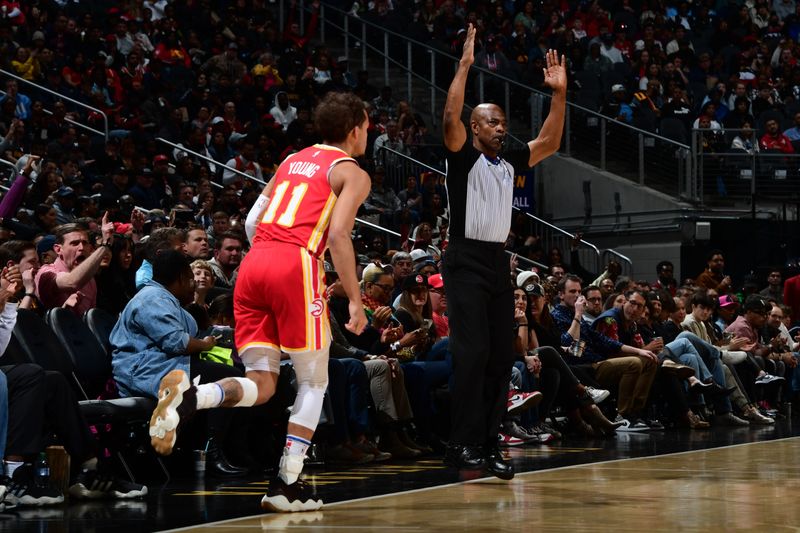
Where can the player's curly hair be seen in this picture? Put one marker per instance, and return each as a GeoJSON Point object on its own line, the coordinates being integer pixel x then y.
{"type": "Point", "coordinates": [337, 115]}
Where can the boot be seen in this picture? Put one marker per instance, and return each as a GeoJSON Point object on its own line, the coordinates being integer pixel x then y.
{"type": "Point", "coordinates": [695, 422]}
{"type": "Point", "coordinates": [598, 421]}
{"type": "Point", "coordinates": [578, 426]}
{"type": "Point", "coordinates": [218, 465]}
{"type": "Point", "coordinates": [390, 442]}
{"type": "Point", "coordinates": [406, 439]}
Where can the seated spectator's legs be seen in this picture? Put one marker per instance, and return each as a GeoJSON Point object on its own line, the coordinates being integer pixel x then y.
{"type": "Point", "coordinates": [667, 388]}
{"type": "Point", "coordinates": [737, 397]}
{"type": "Point", "coordinates": [357, 387]}
{"type": "Point", "coordinates": [746, 373]}
{"type": "Point", "coordinates": [687, 355]}
{"type": "Point", "coordinates": [421, 378]}
{"type": "Point", "coordinates": [634, 377]}
{"type": "Point", "coordinates": [337, 392]}
{"type": "Point", "coordinates": [64, 417]}
{"type": "Point", "coordinates": [26, 399]}
{"type": "Point", "coordinates": [439, 351]}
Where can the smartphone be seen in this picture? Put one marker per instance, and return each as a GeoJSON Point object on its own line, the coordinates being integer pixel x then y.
{"type": "Point", "coordinates": [426, 324]}
{"type": "Point", "coordinates": [393, 322]}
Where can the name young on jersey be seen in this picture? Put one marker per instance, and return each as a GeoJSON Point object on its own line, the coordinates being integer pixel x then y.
{"type": "Point", "coordinates": [303, 168]}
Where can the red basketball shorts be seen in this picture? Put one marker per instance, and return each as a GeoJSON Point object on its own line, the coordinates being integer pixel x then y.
{"type": "Point", "coordinates": [279, 300]}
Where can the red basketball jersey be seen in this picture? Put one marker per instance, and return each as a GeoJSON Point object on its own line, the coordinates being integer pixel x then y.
{"type": "Point", "coordinates": [302, 201]}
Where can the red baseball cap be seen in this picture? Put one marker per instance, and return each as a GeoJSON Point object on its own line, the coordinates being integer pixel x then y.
{"type": "Point", "coordinates": [435, 281]}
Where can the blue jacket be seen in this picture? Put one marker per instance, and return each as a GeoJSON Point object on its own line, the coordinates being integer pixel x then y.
{"type": "Point", "coordinates": [150, 340]}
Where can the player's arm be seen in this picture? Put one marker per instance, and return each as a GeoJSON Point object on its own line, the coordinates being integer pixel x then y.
{"type": "Point", "coordinates": [257, 211]}
{"type": "Point", "coordinates": [353, 185]}
{"type": "Point", "coordinates": [455, 135]}
{"type": "Point", "coordinates": [549, 139]}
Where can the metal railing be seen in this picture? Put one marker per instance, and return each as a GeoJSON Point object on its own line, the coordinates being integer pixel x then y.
{"type": "Point", "coordinates": [725, 173]}
{"type": "Point", "coordinates": [420, 61]}
{"type": "Point", "coordinates": [659, 162]}
{"type": "Point", "coordinates": [393, 233]}
{"type": "Point", "coordinates": [210, 160]}
{"type": "Point", "coordinates": [553, 236]}
{"type": "Point", "coordinates": [399, 166]}
{"type": "Point", "coordinates": [634, 220]}
{"type": "Point", "coordinates": [67, 99]}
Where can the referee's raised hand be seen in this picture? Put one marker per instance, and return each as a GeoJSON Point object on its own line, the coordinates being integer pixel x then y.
{"type": "Point", "coordinates": [468, 53]}
{"type": "Point", "coordinates": [555, 74]}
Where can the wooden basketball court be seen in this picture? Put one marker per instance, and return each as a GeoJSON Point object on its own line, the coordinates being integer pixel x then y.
{"type": "Point", "coordinates": [746, 487]}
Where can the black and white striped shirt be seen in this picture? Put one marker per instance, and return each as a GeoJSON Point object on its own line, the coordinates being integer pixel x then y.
{"type": "Point", "coordinates": [480, 192]}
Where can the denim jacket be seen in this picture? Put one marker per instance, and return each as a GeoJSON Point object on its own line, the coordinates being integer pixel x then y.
{"type": "Point", "coordinates": [150, 340]}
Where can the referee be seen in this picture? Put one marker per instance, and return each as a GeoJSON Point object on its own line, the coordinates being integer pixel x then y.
{"type": "Point", "coordinates": [480, 183]}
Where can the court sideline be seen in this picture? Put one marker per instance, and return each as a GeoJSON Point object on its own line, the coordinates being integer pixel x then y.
{"type": "Point", "coordinates": [743, 487]}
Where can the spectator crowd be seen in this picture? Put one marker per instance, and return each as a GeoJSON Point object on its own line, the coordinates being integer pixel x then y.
{"type": "Point", "coordinates": [151, 232]}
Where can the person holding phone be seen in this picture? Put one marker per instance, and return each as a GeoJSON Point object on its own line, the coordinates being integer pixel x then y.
{"type": "Point", "coordinates": [424, 354]}
{"type": "Point", "coordinates": [415, 314]}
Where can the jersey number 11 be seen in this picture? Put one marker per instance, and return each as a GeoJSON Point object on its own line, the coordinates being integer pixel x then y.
{"type": "Point", "coordinates": [286, 219]}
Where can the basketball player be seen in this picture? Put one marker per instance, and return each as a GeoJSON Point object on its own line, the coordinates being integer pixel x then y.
{"type": "Point", "coordinates": [279, 301]}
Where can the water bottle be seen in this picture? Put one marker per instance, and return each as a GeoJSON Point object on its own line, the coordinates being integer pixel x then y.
{"type": "Point", "coordinates": [42, 471]}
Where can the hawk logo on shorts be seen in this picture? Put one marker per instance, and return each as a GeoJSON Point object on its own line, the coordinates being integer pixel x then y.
{"type": "Point", "coordinates": [316, 308]}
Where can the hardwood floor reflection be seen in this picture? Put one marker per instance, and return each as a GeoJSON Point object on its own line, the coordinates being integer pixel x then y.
{"type": "Point", "coordinates": [749, 487]}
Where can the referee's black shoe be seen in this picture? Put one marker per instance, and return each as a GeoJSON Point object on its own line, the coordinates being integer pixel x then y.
{"type": "Point", "coordinates": [496, 464]}
{"type": "Point", "coordinates": [464, 457]}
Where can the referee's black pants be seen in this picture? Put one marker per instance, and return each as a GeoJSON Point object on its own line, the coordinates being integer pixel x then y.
{"type": "Point", "coordinates": [480, 307]}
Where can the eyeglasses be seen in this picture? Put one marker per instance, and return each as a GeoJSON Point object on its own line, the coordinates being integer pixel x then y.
{"type": "Point", "coordinates": [635, 304]}
{"type": "Point", "coordinates": [384, 288]}
{"type": "Point", "coordinates": [595, 299]}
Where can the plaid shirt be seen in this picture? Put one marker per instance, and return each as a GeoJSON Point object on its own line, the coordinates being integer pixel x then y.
{"type": "Point", "coordinates": [598, 346]}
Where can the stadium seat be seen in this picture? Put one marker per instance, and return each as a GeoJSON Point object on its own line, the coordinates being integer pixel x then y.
{"type": "Point", "coordinates": [100, 323]}
{"type": "Point", "coordinates": [54, 352]}
{"type": "Point", "coordinates": [92, 364]}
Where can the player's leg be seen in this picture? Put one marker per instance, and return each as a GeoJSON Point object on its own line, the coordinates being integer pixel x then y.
{"type": "Point", "coordinates": [257, 341]}
{"type": "Point", "coordinates": [287, 493]}
{"type": "Point", "coordinates": [179, 398]}
{"type": "Point", "coordinates": [305, 334]}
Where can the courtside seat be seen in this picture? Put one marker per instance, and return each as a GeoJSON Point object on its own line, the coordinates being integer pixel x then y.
{"type": "Point", "coordinates": [101, 323]}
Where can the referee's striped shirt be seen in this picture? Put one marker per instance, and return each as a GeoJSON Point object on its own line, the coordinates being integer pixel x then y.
{"type": "Point", "coordinates": [480, 192]}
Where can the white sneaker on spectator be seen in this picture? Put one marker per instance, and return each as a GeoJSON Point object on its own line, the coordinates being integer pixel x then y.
{"type": "Point", "coordinates": [597, 395]}
{"type": "Point", "coordinates": [631, 425]}
{"type": "Point", "coordinates": [755, 417]}
{"type": "Point", "coordinates": [766, 379]}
